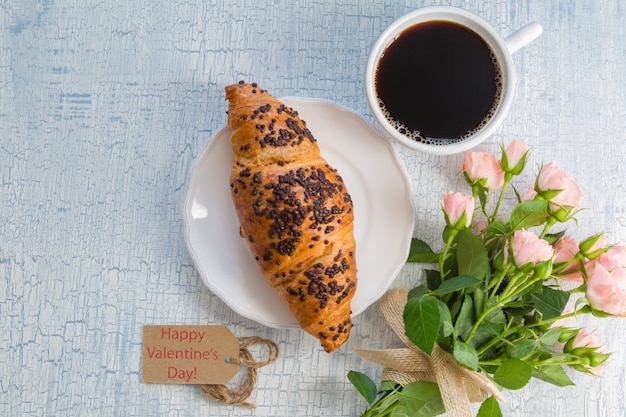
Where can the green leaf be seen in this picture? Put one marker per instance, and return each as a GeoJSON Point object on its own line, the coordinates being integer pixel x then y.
{"type": "Point", "coordinates": [513, 374]}
{"type": "Point", "coordinates": [387, 402]}
{"type": "Point", "coordinates": [550, 337]}
{"type": "Point", "coordinates": [517, 311]}
{"type": "Point", "coordinates": [364, 385]}
{"type": "Point", "coordinates": [494, 322]}
{"type": "Point", "coordinates": [552, 238]}
{"type": "Point", "coordinates": [490, 408]}
{"type": "Point", "coordinates": [445, 234]}
{"type": "Point", "coordinates": [529, 214]}
{"type": "Point", "coordinates": [479, 301]}
{"type": "Point", "coordinates": [479, 338]}
{"type": "Point", "coordinates": [472, 257]}
{"type": "Point", "coordinates": [466, 355]}
{"type": "Point", "coordinates": [422, 322]}
{"type": "Point", "coordinates": [550, 194]}
{"type": "Point", "coordinates": [496, 227]}
{"type": "Point", "coordinates": [533, 288]}
{"type": "Point", "coordinates": [421, 252]}
{"type": "Point", "coordinates": [553, 374]}
{"type": "Point", "coordinates": [446, 319]}
{"type": "Point", "coordinates": [454, 305]}
{"type": "Point", "coordinates": [479, 190]}
{"type": "Point", "coordinates": [456, 284]}
{"type": "Point", "coordinates": [465, 319]}
{"type": "Point", "coordinates": [521, 349]}
{"type": "Point", "coordinates": [433, 279]}
{"type": "Point", "coordinates": [450, 265]}
{"type": "Point", "coordinates": [386, 386]}
{"type": "Point", "coordinates": [492, 325]}
{"type": "Point", "coordinates": [418, 291]}
{"type": "Point", "coordinates": [419, 399]}
{"type": "Point", "coordinates": [550, 302]}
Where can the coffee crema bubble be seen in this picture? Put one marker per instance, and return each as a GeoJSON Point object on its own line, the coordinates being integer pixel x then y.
{"type": "Point", "coordinates": [438, 83]}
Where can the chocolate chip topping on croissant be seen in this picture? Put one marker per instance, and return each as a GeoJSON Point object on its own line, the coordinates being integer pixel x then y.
{"type": "Point", "coordinates": [294, 211]}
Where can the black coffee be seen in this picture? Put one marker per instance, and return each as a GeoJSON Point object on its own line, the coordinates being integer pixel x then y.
{"type": "Point", "coordinates": [438, 82]}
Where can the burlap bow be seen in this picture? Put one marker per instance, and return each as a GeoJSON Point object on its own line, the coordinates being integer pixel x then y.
{"type": "Point", "coordinates": [459, 386]}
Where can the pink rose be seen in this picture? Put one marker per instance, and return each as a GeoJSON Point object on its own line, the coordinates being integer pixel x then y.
{"type": "Point", "coordinates": [606, 286]}
{"type": "Point", "coordinates": [454, 205]}
{"type": "Point", "coordinates": [594, 246]}
{"type": "Point", "coordinates": [565, 249]}
{"type": "Point", "coordinates": [530, 194]}
{"type": "Point", "coordinates": [610, 261]}
{"type": "Point", "coordinates": [589, 340]}
{"type": "Point", "coordinates": [480, 226]}
{"type": "Point", "coordinates": [619, 254]}
{"type": "Point", "coordinates": [528, 247]}
{"type": "Point", "coordinates": [514, 153]}
{"type": "Point", "coordinates": [552, 178]}
{"type": "Point", "coordinates": [600, 243]}
{"type": "Point", "coordinates": [484, 168]}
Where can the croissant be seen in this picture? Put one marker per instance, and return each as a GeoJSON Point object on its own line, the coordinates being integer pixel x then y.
{"type": "Point", "coordinates": [294, 212]}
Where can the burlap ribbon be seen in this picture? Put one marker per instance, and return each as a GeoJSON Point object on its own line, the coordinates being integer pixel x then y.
{"type": "Point", "coordinates": [239, 395]}
{"type": "Point", "coordinates": [459, 386]}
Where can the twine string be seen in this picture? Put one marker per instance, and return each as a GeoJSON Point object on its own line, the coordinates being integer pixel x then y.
{"type": "Point", "coordinates": [458, 385]}
{"type": "Point", "coordinates": [239, 394]}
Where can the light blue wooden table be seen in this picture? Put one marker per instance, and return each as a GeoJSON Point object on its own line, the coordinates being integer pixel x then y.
{"type": "Point", "coordinates": [104, 105]}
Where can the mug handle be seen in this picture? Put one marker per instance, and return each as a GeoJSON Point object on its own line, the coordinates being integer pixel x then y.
{"type": "Point", "coordinates": [523, 37]}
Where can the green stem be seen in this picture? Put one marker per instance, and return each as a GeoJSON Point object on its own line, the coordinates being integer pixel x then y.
{"type": "Point", "coordinates": [489, 363]}
{"type": "Point", "coordinates": [549, 223]}
{"type": "Point", "coordinates": [385, 406]}
{"type": "Point", "coordinates": [514, 330]}
{"type": "Point", "coordinates": [485, 347]}
{"type": "Point", "coordinates": [479, 321]}
{"type": "Point", "coordinates": [444, 254]}
{"type": "Point", "coordinates": [508, 294]}
{"type": "Point", "coordinates": [476, 188]}
{"type": "Point", "coordinates": [549, 362]}
{"type": "Point", "coordinates": [510, 290]}
{"type": "Point", "coordinates": [495, 285]}
{"type": "Point", "coordinates": [552, 319]}
{"type": "Point", "coordinates": [507, 178]}
{"type": "Point", "coordinates": [515, 291]}
{"type": "Point", "coordinates": [563, 267]}
{"type": "Point", "coordinates": [534, 363]}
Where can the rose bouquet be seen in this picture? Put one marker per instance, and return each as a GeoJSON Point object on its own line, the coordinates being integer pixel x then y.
{"type": "Point", "coordinates": [493, 313]}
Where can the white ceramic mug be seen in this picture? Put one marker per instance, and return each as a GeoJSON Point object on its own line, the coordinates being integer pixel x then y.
{"type": "Point", "coordinates": [502, 49]}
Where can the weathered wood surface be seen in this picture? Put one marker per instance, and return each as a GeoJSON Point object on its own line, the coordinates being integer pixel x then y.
{"type": "Point", "coordinates": [105, 104]}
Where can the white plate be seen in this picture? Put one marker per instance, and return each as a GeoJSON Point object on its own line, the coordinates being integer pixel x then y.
{"type": "Point", "coordinates": [376, 181]}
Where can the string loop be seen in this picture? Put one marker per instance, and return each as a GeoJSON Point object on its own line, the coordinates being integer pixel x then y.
{"type": "Point", "coordinates": [238, 395]}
